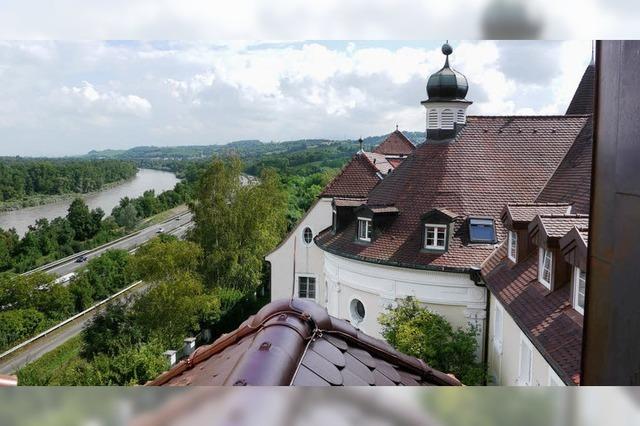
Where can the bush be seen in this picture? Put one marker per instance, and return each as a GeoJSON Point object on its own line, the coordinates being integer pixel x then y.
{"type": "Point", "coordinates": [19, 324]}
{"type": "Point", "coordinates": [416, 331]}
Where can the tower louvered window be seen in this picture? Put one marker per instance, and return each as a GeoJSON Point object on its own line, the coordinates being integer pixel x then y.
{"type": "Point", "coordinates": [432, 122]}
{"type": "Point", "coordinates": [447, 119]}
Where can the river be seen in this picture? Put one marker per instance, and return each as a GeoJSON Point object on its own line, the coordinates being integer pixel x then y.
{"type": "Point", "coordinates": [106, 200]}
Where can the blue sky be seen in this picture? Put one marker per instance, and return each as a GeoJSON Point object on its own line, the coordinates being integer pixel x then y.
{"type": "Point", "coordinates": [65, 98]}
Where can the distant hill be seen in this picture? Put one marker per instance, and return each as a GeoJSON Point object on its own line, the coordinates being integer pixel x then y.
{"type": "Point", "coordinates": [243, 148]}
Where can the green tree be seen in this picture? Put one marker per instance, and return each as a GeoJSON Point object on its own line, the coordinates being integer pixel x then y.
{"type": "Point", "coordinates": [80, 219]}
{"type": "Point", "coordinates": [236, 225]}
{"type": "Point", "coordinates": [126, 216]}
{"type": "Point", "coordinates": [174, 308]}
{"type": "Point", "coordinates": [18, 324]}
{"type": "Point", "coordinates": [164, 258]}
{"type": "Point", "coordinates": [110, 332]}
{"type": "Point", "coordinates": [414, 330]}
{"type": "Point", "coordinates": [107, 273]}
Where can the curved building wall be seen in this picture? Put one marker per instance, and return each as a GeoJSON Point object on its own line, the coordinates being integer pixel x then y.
{"type": "Point", "coordinates": [453, 295]}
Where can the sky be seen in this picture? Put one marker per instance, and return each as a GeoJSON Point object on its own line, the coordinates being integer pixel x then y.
{"type": "Point", "coordinates": [69, 97]}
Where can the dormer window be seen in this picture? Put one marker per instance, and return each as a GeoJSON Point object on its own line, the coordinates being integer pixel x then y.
{"type": "Point", "coordinates": [435, 237]}
{"type": "Point", "coordinates": [364, 229]}
{"type": "Point", "coordinates": [481, 230]}
{"type": "Point", "coordinates": [579, 287]}
{"type": "Point", "coordinates": [545, 266]}
{"type": "Point", "coordinates": [512, 249]}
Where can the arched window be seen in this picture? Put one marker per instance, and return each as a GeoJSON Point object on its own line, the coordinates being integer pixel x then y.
{"type": "Point", "coordinates": [432, 122]}
{"type": "Point", "coordinates": [307, 236]}
{"type": "Point", "coordinates": [460, 116]}
{"type": "Point", "coordinates": [447, 119]}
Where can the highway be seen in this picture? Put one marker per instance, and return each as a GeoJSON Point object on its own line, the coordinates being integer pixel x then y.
{"type": "Point", "coordinates": [176, 225]}
{"type": "Point", "coordinates": [13, 362]}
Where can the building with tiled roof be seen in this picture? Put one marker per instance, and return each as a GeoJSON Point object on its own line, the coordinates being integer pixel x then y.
{"type": "Point", "coordinates": [437, 227]}
{"type": "Point", "coordinates": [297, 262]}
{"type": "Point", "coordinates": [395, 145]}
{"type": "Point", "coordinates": [295, 342]}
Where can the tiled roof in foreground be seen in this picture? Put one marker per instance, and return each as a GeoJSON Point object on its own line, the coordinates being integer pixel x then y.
{"type": "Point", "coordinates": [295, 342]}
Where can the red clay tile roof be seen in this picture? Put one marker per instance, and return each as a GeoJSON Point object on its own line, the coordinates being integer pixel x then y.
{"type": "Point", "coordinates": [295, 342]}
{"type": "Point", "coordinates": [584, 96]}
{"type": "Point", "coordinates": [359, 176]}
{"type": "Point", "coordinates": [395, 144]}
{"type": "Point", "coordinates": [571, 182]}
{"type": "Point", "coordinates": [556, 226]}
{"type": "Point", "coordinates": [547, 318]}
{"type": "Point", "coordinates": [355, 180]}
{"type": "Point", "coordinates": [492, 162]}
{"type": "Point", "coordinates": [526, 212]}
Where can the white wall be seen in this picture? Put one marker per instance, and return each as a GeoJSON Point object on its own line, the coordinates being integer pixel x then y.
{"type": "Point", "coordinates": [453, 295]}
{"type": "Point", "coordinates": [504, 364]}
{"type": "Point", "coordinates": [308, 258]}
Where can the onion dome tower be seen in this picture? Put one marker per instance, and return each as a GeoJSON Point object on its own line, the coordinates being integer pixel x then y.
{"type": "Point", "coordinates": [446, 104]}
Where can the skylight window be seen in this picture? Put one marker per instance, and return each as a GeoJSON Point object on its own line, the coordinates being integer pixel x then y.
{"type": "Point", "coordinates": [481, 231]}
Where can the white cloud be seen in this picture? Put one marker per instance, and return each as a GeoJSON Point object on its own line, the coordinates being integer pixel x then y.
{"type": "Point", "coordinates": [94, 95]}
{"type": "Point", "coordinates": [102, 106]}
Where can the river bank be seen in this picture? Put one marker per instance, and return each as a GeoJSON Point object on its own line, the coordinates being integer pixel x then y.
{"type": "Point", "coordinates": [106, 199]}
{"type": "Point", "coordinates": [43, 200]}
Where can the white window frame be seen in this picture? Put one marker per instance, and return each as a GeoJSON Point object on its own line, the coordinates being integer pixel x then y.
{"type": "Point", "coordinates": [512, 246]}
{"type": "Point", "coordinates": [368, 229]}
{"type": "Point", "coordinates": [355, 317]}
{"type": "Point", "coordinates": [576, 288]}
{"type": "Point", "coordinates": [310, 243]}
{"type": "Point", "coordinates": [498, 329]}
{"type": "Point", "coordinates": [315, 284]}
{"type": "Point", "coordinates": [554, 379]}
{"type": "Point", "coordinates": [541, 258]}
{"type": "Point", "coordinates": [525, 343]}
{"type": "Point", "coordinates": [437, 227]}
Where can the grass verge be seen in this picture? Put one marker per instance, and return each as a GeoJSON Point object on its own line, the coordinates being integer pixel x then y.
{"type": "Point", "coordinates": [47, 369]}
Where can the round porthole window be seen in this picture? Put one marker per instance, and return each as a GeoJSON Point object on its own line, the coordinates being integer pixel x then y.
{"type": "Point", "coordinates": [307, 235]}
{"type": "Point", "coordinates": [357, 311]}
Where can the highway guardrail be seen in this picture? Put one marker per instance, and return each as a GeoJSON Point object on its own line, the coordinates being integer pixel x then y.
{"type": "Point", "coordinates": [67, 321]}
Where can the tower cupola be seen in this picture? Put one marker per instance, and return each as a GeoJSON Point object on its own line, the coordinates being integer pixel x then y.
{"type": "Point", "coordinates": [446, 104]}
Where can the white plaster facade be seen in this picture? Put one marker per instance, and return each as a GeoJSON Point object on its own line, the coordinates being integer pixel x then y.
{"type": "Point", "coordinates": [294, 258]}
{"type": "Point", "coordinates": [453, 295]}
{"type": "Point", "coordinates": [506, 342]}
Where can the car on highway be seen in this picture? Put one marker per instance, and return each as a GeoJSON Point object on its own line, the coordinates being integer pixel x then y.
{"type": "Point", "coordinates": [177, 218]}
{"type": "Point", "coordinates": [159, 230]}
{"type": "Point", "coordinates": [81, 259]}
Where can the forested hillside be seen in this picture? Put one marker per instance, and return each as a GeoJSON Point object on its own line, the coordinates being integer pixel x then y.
{"type": "Point", "coordinates": [248, 149]}
{"type": "Point", "coordinates": [21, 178]}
